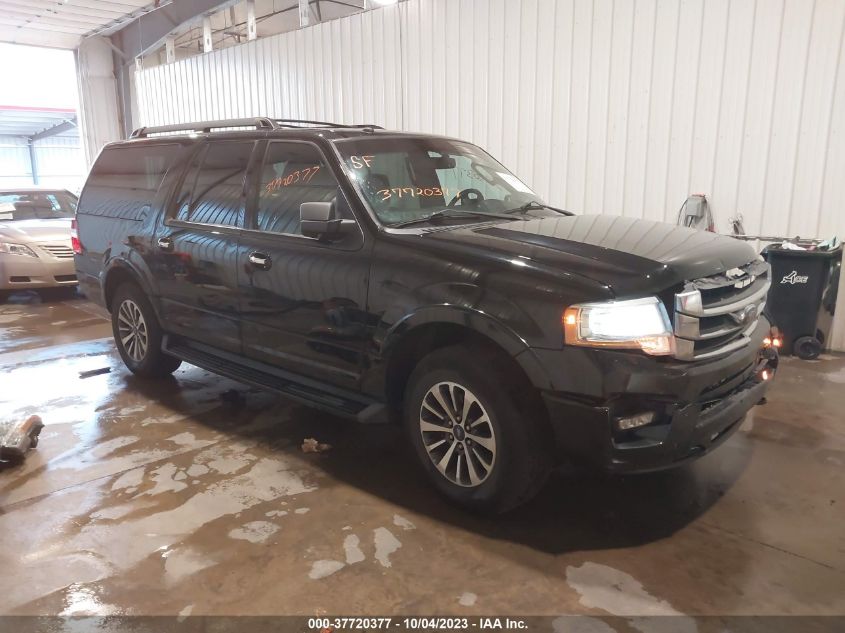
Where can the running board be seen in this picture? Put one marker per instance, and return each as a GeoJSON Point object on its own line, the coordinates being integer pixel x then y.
{"type": "Point", "coordinates": [305, 390]}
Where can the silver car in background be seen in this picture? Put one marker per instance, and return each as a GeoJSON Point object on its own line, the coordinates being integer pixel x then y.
{"type": "Point", "coordinates": [35, 239]}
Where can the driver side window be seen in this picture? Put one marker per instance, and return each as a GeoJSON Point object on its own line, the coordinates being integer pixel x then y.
{"type": "Point", "coordinates": [292, 173]}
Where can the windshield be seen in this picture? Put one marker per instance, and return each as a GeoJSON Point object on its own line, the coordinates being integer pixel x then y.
{"type": "Point", "coordinates": [404, 179]}
{"type": "Point", "coordinates": [36, 205]}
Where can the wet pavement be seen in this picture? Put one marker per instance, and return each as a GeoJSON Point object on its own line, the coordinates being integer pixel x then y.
{"type": "Point", "coordinates": [162, 498]}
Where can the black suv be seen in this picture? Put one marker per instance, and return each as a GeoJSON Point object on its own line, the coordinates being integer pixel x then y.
{"type": "Point", "coordinates": [387, 276]}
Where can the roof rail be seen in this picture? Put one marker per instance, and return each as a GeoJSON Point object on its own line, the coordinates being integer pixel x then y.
{"type": "Point", "coordinates": [301, 122]}
{"type": "Point", "coordinates": [259, 123]}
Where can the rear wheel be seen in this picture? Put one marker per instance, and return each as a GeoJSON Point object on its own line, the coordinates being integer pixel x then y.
{"type": "Point", "coordinates": [138, 335]}
{"type": "Point", "coordinates": [479, 443]}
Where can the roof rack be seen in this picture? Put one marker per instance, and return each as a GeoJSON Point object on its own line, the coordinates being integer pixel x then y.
{"type": "Point", "coordinates": [259, 123]}
{"type": "Point", "coordinates": [295, 123]}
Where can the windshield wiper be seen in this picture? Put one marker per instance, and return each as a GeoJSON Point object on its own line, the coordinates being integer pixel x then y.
{"type": "Point", "coordinates": [535, 205]}
{"type": "Point", "coordinates": [453, 213]}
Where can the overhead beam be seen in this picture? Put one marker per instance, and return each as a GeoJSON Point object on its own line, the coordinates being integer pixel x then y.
{"type": "Point", "coordinates": [148, 32]}
{"type": "Point", "coordinates": [64, 126]}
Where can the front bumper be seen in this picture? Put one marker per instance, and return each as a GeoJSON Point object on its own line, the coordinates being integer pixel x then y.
{"type": "Point", "coordinates": [697, 407]}
{"type": "Point", "coordinates": [18, 272]}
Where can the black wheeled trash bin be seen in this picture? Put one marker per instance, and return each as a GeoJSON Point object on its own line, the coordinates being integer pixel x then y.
{"type": "Point", "coordinates": [802, 298]}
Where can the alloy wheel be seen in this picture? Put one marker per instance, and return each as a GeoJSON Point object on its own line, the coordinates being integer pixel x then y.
{"type": "Point", "coordinates": [457, 434]}
{"type": "Point", "coordinates": [132, 329]}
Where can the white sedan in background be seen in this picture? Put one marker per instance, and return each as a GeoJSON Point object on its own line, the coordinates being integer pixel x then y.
{"type": "Point", "coordinates": [35, 239]}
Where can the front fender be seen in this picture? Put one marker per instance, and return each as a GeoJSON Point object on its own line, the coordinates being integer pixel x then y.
{"type": "Point", "coordinates": [478, 322]}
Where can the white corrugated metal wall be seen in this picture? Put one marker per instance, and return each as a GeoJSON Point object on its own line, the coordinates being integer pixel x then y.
{"type": "Point", "coordinates": [603, 106]}
{"type": "Point", "coordinates": [14, 162]}
{"type": "Point", "coordinates": [344, 70]}
{"type": "Point", "coordinates": [59, 162]}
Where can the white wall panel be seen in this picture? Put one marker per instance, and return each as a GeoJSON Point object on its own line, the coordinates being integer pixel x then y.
{"type": "Point", "coordinates": [59, 162]}
{"type": "Point", "coordinates": [603, 106]}
{"type": "Point", "coordinates": [15, 170]}
{"type": "Point", "coordinates": [345, 70]}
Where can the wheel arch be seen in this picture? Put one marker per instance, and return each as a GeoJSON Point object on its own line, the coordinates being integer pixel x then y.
{"type": "Point", "coordinates": [436, 327]}
{"type": "Point", "coordinates": [118, 272]}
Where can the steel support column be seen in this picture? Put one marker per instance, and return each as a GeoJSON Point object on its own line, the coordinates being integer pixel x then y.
{"type": "Point", "coordinates": [251, 24]}
{"type": "Point", "coordinates": [304, 13]}
{"type": "Point", "coordinates": [33, 161]}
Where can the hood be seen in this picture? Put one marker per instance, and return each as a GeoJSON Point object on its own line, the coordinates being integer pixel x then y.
{"type": "Point", "coordinates": [629, 255]}
{"type": "Point", "coordinates": [43, 231]}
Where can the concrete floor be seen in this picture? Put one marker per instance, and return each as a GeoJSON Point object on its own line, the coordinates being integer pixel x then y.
{"type": "Point", "coordinates": [164, 499]}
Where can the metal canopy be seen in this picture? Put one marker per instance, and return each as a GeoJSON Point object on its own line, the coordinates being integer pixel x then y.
{"type": "Point", "coordinates": [62, 24]}
{"type": "Point", "coordinates": [35, 123]}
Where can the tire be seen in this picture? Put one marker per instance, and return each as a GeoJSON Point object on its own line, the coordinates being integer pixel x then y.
{"type": "Point", "coordinates": [134, 321]}
{"type": "Point", "coordinates": [504, 460]}
{"type": "Point", "coordinates": [807, 347]}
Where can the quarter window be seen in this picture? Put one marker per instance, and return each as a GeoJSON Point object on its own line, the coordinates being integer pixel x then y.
{"type": "Point", "coordinates": [124, 180]}
{"type": "Point", "coordinates": [292, 173]}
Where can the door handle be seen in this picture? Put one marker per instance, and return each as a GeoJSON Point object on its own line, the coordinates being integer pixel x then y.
{"type": "Point", "coordinates": [260, 261]}
{"type": "Point", "coordinates": [165, 243]}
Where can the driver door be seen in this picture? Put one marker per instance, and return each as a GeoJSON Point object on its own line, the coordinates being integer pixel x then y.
{"type": "Point", "coordinates": [303, 301]}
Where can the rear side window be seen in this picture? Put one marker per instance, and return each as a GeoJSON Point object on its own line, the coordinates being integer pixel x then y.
{"type": "Point", "coordinates": [212, 191]}
{"type": "Point", "coordinates": [124, 180]}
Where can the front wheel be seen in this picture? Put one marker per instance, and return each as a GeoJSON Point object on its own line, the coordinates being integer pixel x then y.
{"type": "Point", "coordinates": [138, 335]}
{"type": "Point", "coordinates": [479, 443]}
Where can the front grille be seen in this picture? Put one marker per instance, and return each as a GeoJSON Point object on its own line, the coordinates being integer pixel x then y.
{"type": "Point", "coordinates": [58, 250]}
{"type": "Point", "coordinates": [65, 278]}
{"type": "Point", "coordinates": [715, 315]}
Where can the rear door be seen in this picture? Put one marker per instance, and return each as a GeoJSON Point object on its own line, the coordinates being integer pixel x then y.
{"type": "Point", "coordinates": [119, 207]}
{"type": "Point", "coordinates": [303, 301]}
{"type": "Point", "coordinates": [196, 251]}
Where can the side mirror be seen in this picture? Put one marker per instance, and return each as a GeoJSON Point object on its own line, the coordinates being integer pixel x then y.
{"type": "Point", "coordinates": [319, 220]}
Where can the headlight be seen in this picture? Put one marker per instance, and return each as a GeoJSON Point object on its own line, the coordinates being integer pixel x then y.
{"type": "Point", "coordinates": [17, 249]}
{"type": "Point", "coordinates": [633, 324]}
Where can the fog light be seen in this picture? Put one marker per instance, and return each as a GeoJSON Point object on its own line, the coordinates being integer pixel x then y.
{"type": "Point", "coordinates": [635, 421]}
{"type": "Point", "coordinates": [765, 374]}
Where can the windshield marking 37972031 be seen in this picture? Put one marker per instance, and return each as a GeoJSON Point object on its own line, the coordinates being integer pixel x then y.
{"type": "Point", "coordinates": [408, 180]}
